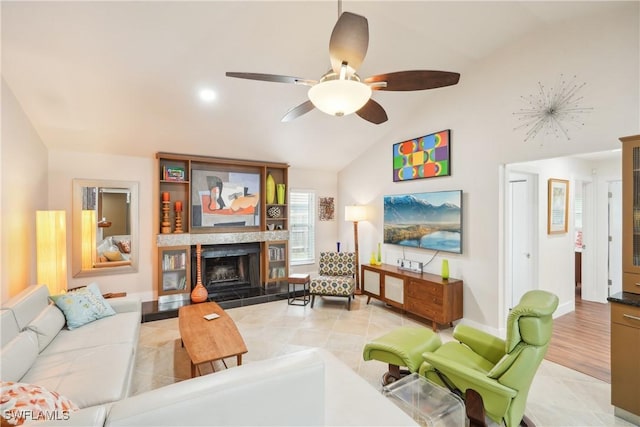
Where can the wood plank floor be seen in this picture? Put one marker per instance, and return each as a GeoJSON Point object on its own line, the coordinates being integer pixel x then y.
{"type": "Point", "coordinates": [582, 340]}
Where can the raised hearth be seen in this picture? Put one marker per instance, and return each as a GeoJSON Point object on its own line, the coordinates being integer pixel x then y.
{"type": "Point", "coordinates": [151, 310]}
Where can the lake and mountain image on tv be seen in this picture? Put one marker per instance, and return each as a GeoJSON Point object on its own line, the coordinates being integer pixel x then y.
{"type": "Point", "coordinates": [424, 220]}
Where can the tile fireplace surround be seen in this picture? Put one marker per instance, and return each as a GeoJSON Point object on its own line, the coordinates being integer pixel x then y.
{"type": "Point", "coordinates": [221, 238]}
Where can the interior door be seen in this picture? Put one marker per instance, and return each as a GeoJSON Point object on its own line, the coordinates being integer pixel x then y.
{"type": "Point", "coordinates": [589, 284]}
{"type": "Point", "coordinates": [521, 253]}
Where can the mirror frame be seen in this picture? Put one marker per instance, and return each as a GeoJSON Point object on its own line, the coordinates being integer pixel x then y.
{"type": "Point", "coordinates": [78, 270]}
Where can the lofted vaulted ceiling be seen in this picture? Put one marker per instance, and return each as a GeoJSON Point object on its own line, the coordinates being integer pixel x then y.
{"type": "Point", "coordinates": [123, 77]}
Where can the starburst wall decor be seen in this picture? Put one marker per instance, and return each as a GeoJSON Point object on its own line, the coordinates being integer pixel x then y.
{"type": "Point", "coordinates": [553, 110]}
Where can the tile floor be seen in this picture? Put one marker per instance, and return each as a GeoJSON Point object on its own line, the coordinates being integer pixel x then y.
{"type": "Point", "coordinates": [558, 397]}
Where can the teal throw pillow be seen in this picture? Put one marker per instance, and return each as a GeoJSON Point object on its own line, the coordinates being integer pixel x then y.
{"type": "Point", "coordinates": [82, 306]}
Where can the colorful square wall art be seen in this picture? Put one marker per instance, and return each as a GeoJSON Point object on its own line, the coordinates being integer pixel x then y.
{"type": "Point", "coordinates": [423, 157]}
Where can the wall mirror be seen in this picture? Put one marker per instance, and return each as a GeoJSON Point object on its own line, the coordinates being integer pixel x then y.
{"type": "Point", "coordinates": [105, 227]}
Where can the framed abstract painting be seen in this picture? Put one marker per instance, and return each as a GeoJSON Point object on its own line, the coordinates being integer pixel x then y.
{"type": "Point", "coordinates": [424, 157]}
{"type": "Point", "coordinates": [225, 199]}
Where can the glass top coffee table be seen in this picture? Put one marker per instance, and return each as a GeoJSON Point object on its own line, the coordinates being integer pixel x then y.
{"type": "Point", "coordinates": [427, 403]}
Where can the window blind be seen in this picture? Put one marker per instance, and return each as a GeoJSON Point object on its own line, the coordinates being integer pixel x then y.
{"type": "Point", "coordinates": [302, 205]}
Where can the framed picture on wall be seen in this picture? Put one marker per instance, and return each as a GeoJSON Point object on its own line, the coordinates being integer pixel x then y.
{"type": "Point", "coordinates": [225, 199]}
{"type": "Point", "coordinates": [326, 209]}
{"type": "Point", "coordinates": [557, 206]}
{"type": "Point", "coordinates": [427, 156]}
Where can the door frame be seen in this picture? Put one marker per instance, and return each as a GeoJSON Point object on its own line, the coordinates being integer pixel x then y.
{"type": "Point", "coordinates": [617, 233]}
{"type": "Point", "coordinates": [506, 172]}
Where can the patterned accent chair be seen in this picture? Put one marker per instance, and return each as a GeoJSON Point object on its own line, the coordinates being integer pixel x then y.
{"type": "Point", "coordinates": [336, 279]}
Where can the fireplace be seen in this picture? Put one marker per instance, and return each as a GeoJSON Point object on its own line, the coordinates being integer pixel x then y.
{"type": "Point", "coordinates": [229, 270]}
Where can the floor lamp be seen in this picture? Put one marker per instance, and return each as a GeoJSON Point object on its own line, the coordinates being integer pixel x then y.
{"type": "Point", "coordinates": [51, 250]}
{"type": "Point", "coordinates": [355, 214]}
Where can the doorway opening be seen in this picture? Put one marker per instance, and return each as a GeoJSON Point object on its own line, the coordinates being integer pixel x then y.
{"type": "Point", "coordinates": [552, 258]}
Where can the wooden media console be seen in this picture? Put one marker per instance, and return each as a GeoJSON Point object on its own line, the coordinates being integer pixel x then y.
{"type": "Point", "coordinates": [423, 294]}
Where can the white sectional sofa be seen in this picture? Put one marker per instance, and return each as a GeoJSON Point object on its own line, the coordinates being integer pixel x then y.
{"type": "Point", "coordinates": [93, 365]}
{"type": "Point", "coordinates": [90, 365]}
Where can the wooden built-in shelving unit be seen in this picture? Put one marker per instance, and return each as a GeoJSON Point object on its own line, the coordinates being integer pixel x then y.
{"type": "Point", "coordinates": [183, 178]}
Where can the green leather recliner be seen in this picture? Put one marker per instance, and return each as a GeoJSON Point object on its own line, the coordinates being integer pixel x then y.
{"type": "Point", "coordinates": [501, 371]}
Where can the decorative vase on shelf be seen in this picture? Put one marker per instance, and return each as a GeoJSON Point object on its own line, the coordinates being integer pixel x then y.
{"type": "Point", "coordinates": [199, 292]}
{"type": "Point", "coordinates": [379, 259]}
{"type": "Point", "coordinates": [271, 189]}
{"type": "Point", "coordinates": [372, 260]}
{"type": "Point", "coordinates": [280, 191]}
{"type": "Point", "coordinates": [445, 269]}
{"type": "Point", "coordinates": [273, 212]}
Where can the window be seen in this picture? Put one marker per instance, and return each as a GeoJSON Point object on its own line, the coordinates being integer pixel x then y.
{"type": "Point", "coordinates": [302, 234]}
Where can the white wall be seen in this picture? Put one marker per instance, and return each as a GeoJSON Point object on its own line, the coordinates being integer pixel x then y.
{"type": "Point", "coordinates": [64, 166]}
{"type": "Point", "coordinates": [602, 51]}
{"type": "Point", "coordinates": [325, 184]}
{"type": "Point", "coordinates": [24, 190]}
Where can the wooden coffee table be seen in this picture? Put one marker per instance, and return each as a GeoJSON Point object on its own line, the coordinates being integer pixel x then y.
{"type": "Point", "coordinates": [209, 340]}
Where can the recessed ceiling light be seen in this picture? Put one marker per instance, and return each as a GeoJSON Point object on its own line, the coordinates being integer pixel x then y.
{"type": "Point", "coordinates": [207, 95]}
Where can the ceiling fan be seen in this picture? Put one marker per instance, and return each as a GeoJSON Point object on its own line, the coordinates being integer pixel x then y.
{"type": "Point", "coordinates": [341, 91]}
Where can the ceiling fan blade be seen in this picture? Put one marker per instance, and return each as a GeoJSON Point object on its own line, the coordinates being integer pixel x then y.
{"type": "Point", "coordinates": [414, 80]}
{"type": "Point", "coordinates": [298, 111]}
{"type": "Point", "coordinates": [271, 78]}
{"type": "Point", "coordinates": [373, 112]}
{"type": "Point", "coordinates": [349, 42]}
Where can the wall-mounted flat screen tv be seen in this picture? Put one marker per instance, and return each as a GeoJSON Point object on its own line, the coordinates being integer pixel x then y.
{"type": "Point", "coordinates": [424, 220]}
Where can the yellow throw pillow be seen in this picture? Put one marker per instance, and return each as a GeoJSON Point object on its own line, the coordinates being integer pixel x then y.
{"type": "Point", "coordinates": [113, 255]}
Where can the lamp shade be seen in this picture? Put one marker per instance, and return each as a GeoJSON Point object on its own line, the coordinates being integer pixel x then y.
{"type": "Point", "coordinates": [339, 97]}
{"type": "Point", "coordinates": [355, 213]}
{"type": "Point", "coordinates": [51, 250]}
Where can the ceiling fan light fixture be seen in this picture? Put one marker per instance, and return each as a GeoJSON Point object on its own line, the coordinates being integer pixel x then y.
{"type": "Point", "coordinates": [339, 97]}
{"type": "Point", "coordinates": [341, 91]}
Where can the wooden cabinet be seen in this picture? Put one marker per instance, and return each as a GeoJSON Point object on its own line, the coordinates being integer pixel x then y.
{"type": "Point", "coordinates": [631, 214]}
{"type": "Point", "coordinates": [625, 306]}
{"type": "Point", "coordinates": [275, 262]}
{"type": "Point", "coordinates": [425, 295]}
{"type": "Point", "coordinates": [174, 270]}
{"type": "Point", "coordinates": [625, 357]}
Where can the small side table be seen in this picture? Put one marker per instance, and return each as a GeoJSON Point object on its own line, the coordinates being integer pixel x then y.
{"type": "Point", "coordinates": [299, 279]}
{"type": "Point", "coordinates": [427, 403]}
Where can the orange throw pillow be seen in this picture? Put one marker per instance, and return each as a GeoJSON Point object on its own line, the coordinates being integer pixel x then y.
{"type": "Point", "coordinates": [22, 402]}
